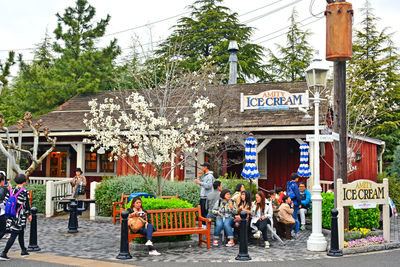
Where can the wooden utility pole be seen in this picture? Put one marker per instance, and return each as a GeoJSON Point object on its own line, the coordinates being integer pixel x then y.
{"type": "Point", "coordinates": [339, 15]}
{"type": "Point", "coordinates": [340, 127]}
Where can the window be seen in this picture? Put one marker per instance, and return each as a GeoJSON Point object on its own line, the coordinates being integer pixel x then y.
{"type": "Point", "coordinates": [90, 161]}
{"type": "Point", "coordinates": [99, 163]}
{"type": "Point", "coordinates": [105, 164]}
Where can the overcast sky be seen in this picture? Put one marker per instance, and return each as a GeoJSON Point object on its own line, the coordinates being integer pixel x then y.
{"type": "Point", "coordinates": [23, 22]}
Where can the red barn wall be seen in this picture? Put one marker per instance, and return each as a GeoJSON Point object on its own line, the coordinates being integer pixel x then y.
{"type": "Point", "coordinates": [367, 167]}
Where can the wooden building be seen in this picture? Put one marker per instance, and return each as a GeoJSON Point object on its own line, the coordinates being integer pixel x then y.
{"type": "Point", "coordinates": [273, 112]}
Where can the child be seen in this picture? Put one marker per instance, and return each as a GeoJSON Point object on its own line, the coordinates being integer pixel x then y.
{"type": "Point", "coordinates": [17, 224]}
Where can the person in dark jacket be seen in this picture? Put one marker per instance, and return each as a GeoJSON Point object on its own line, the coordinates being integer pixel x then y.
{"type": "Point", "coordinates": [17, 224]}
{"type": "Point", "coordinates": [292, 190]}
{"type": "Point", "coordinates": [213, 197]}
{"type": "Point", "coordinates": [3, 190]}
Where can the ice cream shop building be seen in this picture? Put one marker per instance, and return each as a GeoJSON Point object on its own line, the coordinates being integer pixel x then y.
{"type": "Point", "coordinates": [274, 112]}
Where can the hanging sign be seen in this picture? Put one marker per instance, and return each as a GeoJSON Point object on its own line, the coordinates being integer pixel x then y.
{"type": "Point", "coordinates": [273, 99]}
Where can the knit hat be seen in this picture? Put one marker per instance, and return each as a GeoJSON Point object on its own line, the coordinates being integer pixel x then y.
{"type": "Point", "coordinates": [223, 193]}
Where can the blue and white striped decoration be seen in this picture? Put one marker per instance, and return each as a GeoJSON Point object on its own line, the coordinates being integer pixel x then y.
{"type": "Point", "coordinates": [250, 170]}
{"type": "Point", "coordinates": [304, 169]}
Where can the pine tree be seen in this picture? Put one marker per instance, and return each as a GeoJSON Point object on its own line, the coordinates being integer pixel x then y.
{"type": "Point", "coordinates": [373, 83]}
{"type": "Point", "coordinates": [205, 35]}
{"type": "Point", "coordinates": [292, 59]}
{"type": "Point", "coordinates": [5, 69]}
{"type": "Point", "coordinates": [83, 67]}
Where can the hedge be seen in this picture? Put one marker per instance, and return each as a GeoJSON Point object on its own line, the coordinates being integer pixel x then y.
{"type": "Point", "coordinates": [110, 190]}
{"type": "Point", "coordinates": [38, 196]}
{"type": "Point", "coordinates": [358, 218]}
{"type": "Point", "coordinates": [394, 188]}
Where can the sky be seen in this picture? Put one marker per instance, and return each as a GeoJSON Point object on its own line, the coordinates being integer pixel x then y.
{"type": "Point", "coordinates": [23, 23]}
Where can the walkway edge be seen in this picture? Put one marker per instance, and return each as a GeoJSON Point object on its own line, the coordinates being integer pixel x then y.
{"type": "Point", "coordinates": [73, 261]}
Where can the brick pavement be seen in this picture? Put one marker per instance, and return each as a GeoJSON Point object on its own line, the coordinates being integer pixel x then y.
{"type": "Point", "coordinates": [101, 241]}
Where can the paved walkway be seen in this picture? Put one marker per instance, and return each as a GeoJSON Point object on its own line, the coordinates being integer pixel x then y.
{"type": "Point", "coordinates": [100, 241]}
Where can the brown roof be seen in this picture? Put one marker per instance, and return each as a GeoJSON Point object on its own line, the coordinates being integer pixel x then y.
{"type": "Point", "coordinates": [70, 115]}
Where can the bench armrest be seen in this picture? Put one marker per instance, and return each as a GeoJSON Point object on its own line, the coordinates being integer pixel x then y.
{"type": "Point", "coordinates": [202, 219]}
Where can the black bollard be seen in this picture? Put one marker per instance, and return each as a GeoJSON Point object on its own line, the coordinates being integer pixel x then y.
{"type": "Point", "coordinates": [243, 244]}
{"type": "Point", "coordinates": [124, 247]}
{"type": "Point", "coordinates": [73, 218]}
{"type": "Point", "coordinates": [334, 251]}
{"type": "Point", "coordinates": [33, 233]}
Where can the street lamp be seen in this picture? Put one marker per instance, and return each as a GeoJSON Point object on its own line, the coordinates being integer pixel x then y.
{"type": "Point", "coordinates": [316, 77]}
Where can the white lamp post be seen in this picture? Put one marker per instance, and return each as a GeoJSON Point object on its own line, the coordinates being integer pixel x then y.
{"type": "Point", "coordinates": [316, 76]}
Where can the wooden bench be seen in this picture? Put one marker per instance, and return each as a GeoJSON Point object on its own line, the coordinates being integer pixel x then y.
{"type": "Point", "coordinates": [178, 222]}
{"type": "Point", "coordinates": [119, 206]}
{"type": "Point", "coordinates": [30, 198]}
{"type": "Point", "coordinates": [66, 201]}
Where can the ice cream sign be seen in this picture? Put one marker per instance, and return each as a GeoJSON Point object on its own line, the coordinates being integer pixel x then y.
{"type": "Point", "coordinates": [273, 99]}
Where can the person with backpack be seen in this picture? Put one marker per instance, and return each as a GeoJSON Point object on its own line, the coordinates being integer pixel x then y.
{"type": "Point", "coordinates": [293, 192]}
{"type": "Point", "coordinates": [17, 212]}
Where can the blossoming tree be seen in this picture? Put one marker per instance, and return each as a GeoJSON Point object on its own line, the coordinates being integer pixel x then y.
{"type": "Point", "coordinates": [155, 125]}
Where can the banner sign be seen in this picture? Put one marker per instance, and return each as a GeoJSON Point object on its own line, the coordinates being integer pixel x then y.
{"type": "Point", "coordinates": [273, 99]}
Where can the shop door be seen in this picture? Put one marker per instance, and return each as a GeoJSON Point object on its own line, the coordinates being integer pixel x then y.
{"type": "Point", "coordinates": [58, 164]}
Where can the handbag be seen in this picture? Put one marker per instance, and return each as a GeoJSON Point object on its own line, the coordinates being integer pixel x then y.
{"type": "Point", "coordinates": [136, 223]}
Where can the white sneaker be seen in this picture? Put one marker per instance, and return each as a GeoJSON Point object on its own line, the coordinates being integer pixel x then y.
{"type": "Point", "coordinates": [266, 244]}
{"type": "Point", "coordinates": [204, 226]}
{"type": "Point", "coordinates": [257, 234]}
{"type": "Point", "coordinates": [149, 243]}
{"type": "Point", "coordinates": [154, 253]}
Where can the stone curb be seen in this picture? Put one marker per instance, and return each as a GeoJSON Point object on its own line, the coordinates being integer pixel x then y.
{"type": "Point", "coordinates": [387, 246]}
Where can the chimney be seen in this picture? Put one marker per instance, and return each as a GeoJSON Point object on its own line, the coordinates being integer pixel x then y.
{"type": "Point", "coordinates": [233, 48]}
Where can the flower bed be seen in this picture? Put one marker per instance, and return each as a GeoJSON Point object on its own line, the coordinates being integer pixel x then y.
{"type": "Point", "coordinates": [370, 240]}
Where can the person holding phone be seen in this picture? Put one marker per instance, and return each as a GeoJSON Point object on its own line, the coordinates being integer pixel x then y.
{"type": "Point", "coordinates": [136, 210]}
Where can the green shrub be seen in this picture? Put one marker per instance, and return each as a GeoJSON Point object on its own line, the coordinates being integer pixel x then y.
{"type": "Point", "coordinates": [38, 196]}
{"type": "Point", "coordinates": [156, 204]}
{"type": "Point", "coordinates": [359, 218]}
{"type": "Point", "coordinates": [394, 188]}
{"type": "Point", "coordinates": [231, 185]}
{"type": "Point", "coordinates": [110, 191]}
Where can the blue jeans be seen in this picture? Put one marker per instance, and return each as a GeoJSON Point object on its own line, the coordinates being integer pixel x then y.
{"type": "Point", "coordinates": [221, 224]}
{"type": "Point", "coordinates": [295, 213]}
{"type": "Point", "coordinates": [296, 226]}
{"type": "Point", "coordinates": [147, 232]}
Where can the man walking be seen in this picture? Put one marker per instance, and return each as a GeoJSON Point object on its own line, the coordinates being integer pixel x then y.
{"type": "Point", "coordinates": [206, 183]}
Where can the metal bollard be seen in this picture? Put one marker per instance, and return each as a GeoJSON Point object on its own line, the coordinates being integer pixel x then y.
{"type": "Point", "coordinates": [243, 245]}
{"type": "Point", "coordinates": [334, 251]}
{"type": "Point", "coordinates": [124, 247]}
{"type": "Point", "coordinates": [33, 232]}
{"type": "Point", "coordinates": [73, 218]}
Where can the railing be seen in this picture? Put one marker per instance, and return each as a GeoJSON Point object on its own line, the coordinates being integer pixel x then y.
{"type": "Point", "coordinates": [56, 191]}
{"type": "Point", "coordinates": [43, 180]}
{"type": "Point", "coordinates": [325, 185]}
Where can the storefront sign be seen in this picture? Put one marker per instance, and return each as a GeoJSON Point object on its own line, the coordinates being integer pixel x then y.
{"type": "Point", "coordinates": [363, 191]}
{"type": "Point", "coordinates": [273, 99]}
{"type": "Point", "coordinates": [362, 194]}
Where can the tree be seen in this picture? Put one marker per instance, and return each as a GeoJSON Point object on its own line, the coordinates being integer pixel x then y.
{"type": "Point", "coordinates": [13, 150]}
{"type": "Point", "coordinates": [293, 59]}
{"type": "Point", "coordinates": [394, 168]}
{"type": "Point", "coordinates": [205, 35]}
{"type": "Point", "coordinates": [5, 70]}
{"type": "Point", "coordinates": [82, 67]}
{"type": "Point", "coordinates": [153, 126]}
{"type": "Point", "coordinates": [373, 83]}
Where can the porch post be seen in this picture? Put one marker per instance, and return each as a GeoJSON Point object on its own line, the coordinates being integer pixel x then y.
{"type": "Point", "coordinates": [80, 156]}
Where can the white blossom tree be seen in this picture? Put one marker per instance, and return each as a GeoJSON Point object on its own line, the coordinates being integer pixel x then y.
{"type": "Point", "coordinates": [12, 149]}
{"type": "Point", "coordinates": [163, 120]}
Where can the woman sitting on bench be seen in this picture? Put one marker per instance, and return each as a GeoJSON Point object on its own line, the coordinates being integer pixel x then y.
{"type": "Point", "coordinates": [261, 216]}
{"type": "Point", "coordinates": [225, 210]}
{"type": "Point", "coordinates": [138, 219]}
